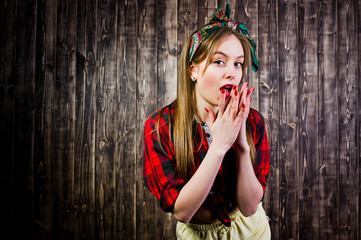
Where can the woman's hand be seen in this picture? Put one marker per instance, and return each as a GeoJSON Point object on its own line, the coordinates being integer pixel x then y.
{"type": "Point", "coordinates": [229, 126]}
{"type": "Point", "coordinates": [244, 107]}
{"type": "Point", "coordinates": [225, 126]}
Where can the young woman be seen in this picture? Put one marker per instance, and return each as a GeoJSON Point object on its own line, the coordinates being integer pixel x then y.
{"type": "Point", "coordinates": [206, 155]}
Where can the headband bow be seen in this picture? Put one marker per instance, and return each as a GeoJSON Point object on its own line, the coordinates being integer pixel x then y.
{"type": "Point", "coordinates": [218, 20]}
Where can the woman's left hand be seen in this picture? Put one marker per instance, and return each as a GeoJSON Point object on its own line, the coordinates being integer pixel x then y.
{"type": "Point", "coordinates": [243, 110]}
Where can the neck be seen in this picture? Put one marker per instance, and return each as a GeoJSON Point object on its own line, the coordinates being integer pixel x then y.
{"type": "Point", "coordinates": [202, 113]}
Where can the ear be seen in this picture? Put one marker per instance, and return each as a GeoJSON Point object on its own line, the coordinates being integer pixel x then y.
{"type": "Point", "coordinates": [193, 71]}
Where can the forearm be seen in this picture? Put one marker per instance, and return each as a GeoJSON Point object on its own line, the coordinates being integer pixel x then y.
{"type": "Point", "coordinates": [197, 188]}
{"type": "Point", "coordinates": [249, 191]}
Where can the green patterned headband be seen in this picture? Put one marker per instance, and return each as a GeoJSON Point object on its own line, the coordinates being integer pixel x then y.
{"type": "Point", "coordinates": [218, 20]}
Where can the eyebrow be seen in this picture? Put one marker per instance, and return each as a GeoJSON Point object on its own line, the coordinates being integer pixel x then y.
{"type": "Point", "coordinates": [222, 53]}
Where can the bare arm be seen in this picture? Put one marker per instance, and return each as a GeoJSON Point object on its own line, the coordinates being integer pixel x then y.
{"type": "Point", "coordinates": [195, 191]}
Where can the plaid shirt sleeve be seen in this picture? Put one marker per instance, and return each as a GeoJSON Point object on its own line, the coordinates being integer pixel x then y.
{"type": "Point", "coordinates": [160, 175]}
{"type": "Point", "coordinates": [262, 163]}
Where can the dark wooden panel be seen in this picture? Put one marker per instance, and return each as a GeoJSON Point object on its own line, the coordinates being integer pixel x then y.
{"type": "Point", "coordinates": [328, 115]}
{"type": "Point", "coordinates": [358, 30]}
{"type": "Point", "coordinates": [347, 105]}
{"type": "Point", "coordinates": [23, 128]}
{"type": "Point", "coordinates": [187, 22]}
{"type": "Point", "coordinates": [166, 40]}
{"type": "Point", "coordinates": [308, 102]}
{"type": "Point", "coordinates": [289, 119]}
{"type": "Point", "coordinates": [44, 121]}
{"type": "Point", "coordinates": [106, 119]}
{"type": "Point", "coordinates": [166, 32]}
{"type": "Point", "coordinates": [126, 108]}
{"type": "Point", "coordinates": [7, 116]}
{"type": "Point", "coordinates": [269, 104]}
{"type": "Point", "coordinates": [84, 161]}
{"type": "Point", "coordinates": [64, 120]}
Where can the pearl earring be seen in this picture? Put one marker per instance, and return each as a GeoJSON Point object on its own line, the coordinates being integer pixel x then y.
{"type": "Point", "coordinates": [193, 79]}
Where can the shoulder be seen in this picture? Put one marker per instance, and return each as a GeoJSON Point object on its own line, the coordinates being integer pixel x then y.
{"type": "Point", "coordinates": [160, 119]}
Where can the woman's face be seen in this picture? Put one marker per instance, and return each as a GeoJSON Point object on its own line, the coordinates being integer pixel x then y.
{"type": "Point", "coordinates": [224, 71]}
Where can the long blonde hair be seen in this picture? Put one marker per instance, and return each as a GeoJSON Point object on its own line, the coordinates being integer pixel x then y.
{"type": "Point", "coordinates": [186, 101]}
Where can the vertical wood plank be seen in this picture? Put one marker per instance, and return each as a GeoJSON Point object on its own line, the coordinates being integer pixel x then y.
{"type": "Point", "coordinates": [347, 105]}
{"type": "Point", "coordinates": [7, 102]}
{"type": "Point", "coordinates": [23, 164]}
{"type": "Point", "coordinates": [289, 119]}
{"type": "Point", "coordinates": [106, 120]}
{"type": "Point", "coordinates": [166, 20]}
{"type": "Point", "coordinates": [126, 114]}
{"type": "Point", "coordinates": [187, 18]}
{"type": "Point", "coordinates": [84, 176]}
{"type": "Point", "coordinates": [64, 120]}
{"type": "Point", "coordinates": [147, 213]}
{"type": "Point", "coordinates": [308, 99]}
{"type": "Point", "coordinates": [269, 104]}
{"type": "Point", "coordinates": [358, 29]}
{"type": "Point", "coordinates": [44, 121]}
{"type": "Point", "coordinates": [166, 37]}
{"type": "Point", "coordinates": [328, 115]}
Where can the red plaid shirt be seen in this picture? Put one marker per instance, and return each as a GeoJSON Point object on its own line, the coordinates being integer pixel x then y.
{"type": "Point", "coordinates": [160, 170]}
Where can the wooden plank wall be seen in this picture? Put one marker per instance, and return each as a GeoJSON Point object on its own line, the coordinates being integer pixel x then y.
{"type": "Point", "coordinates": [78, 79]}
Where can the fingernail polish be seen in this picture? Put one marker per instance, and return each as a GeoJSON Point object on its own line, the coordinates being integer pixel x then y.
{"type": "Point", "coordinates": [243, 105]}
{"type": "Point", "coordinates": [250, 100]}
{"type": "Point", "coordinates": [206, 109]}
{"type": "Point", "coordinates": [247, 84]}
{"type": "Point", "coordinates": [235, 93]}
{"type": "Point", "coordinates": [234, 87]}
{"type": "Point", "coordinates": [223, 91]}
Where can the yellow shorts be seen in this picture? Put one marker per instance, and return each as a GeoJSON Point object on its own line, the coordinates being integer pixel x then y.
{"type": "Point", "coordinates": [253, 227]}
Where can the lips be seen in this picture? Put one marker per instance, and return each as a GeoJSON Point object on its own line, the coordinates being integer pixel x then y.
{"type": "Point", "coordinates": [227, 88]}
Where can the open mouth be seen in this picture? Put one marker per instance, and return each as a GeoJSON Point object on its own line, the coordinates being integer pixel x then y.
{"type": "Point", "coordinates": [228, 89]}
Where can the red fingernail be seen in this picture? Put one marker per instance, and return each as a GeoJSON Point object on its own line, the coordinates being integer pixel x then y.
{"type": "Point", "coordinates": [251, 100]}
{"type": "Point", "coordinates": [247, 84]}
{"type": "Point", "coordinates": [243, 105]}
{"type": "Point", "coordinates": [235, 93]}
{"type": "Point", "coordinates": [206, 109]}
{"type": "Point", "coordinates": [234, 87]}
{"type": "Point", "coordinates": [223, 91]}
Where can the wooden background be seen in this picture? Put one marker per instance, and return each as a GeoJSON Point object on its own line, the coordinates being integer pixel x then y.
{"type": "Point", "coordinates": [78, 78]}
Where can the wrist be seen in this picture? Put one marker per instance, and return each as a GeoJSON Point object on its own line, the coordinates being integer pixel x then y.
{"type": "Point", "coordinates": [217, 150]}
{"type": "Point", "coordinates": [241, 150]}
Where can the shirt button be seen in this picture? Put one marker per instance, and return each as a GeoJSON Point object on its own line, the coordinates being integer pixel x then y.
{"type": "Point", "coordinates": [207, 135]}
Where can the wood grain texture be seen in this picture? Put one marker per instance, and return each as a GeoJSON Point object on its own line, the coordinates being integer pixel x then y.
{"type": "Point", "coordinates": [79, 78]}
{"type": "Point", "coordinates": [7, 103]}
{"type": "Point", "coordinates": [126, 114]}
{"type": "Point", "coordinates": [268, 90]}
{"type": "Point", "coordinates": [358, 45]}
{"type": "Point", "coordinates": [308, 89]}
{"type": "Point", "coordinates": [24, 120]}
{"type": "Point", "coordinates": [328, 123]}
{"type": "Point", "coordinates": [347, 105]}
{"type": "Point", "coordinates": [289, 118]}
{"type": "Point", "coordinates": [64, 120]}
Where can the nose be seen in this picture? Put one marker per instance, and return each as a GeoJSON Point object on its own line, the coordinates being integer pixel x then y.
{"type": "Point", "coordinates": [230, 72]}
